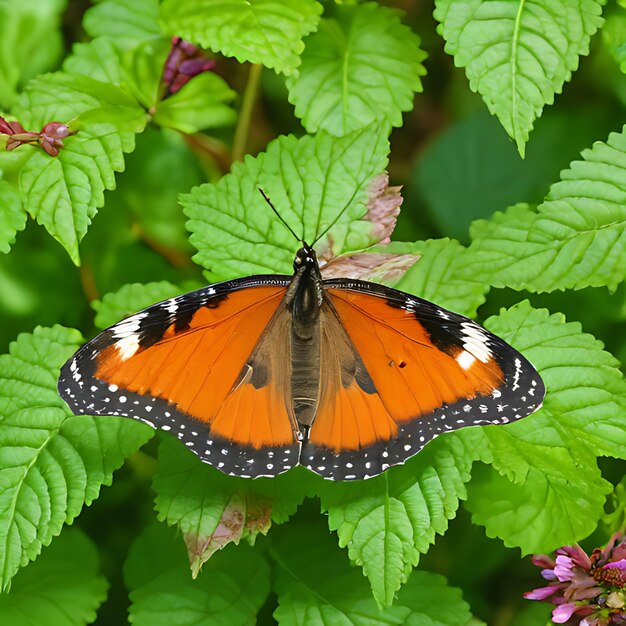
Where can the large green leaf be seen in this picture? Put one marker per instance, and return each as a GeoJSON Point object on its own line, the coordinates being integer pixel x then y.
{"type": "Point", "coordinates": [63, 587]}
{"type": "Point", "coordinates": [518, 54]}
{"type": "Point", "coordinates": [577, 237]}
{"type": "Point", "coordinates": [30, 42]}
{"type": "Point", "coordinates": [269, 32]}
{"type": "Point", "coordinates": [387, 521]}
{"type": "Point", "coordinates": [230, 590]}
{"type": "Point", "coordinates": [316, 585]}
{"type": "Point", "coordinates": [546, 489]}
{"type": "Point", "coordinates": [212, 509]}
{"type": "Point", "coordinates": [51, 463]}
{"type": "Point", "coordinates": [12, 215]}
{"type": "Point", "coordinates": [362, 65]}
{"type": "Point", "coordinates": [314, 182]}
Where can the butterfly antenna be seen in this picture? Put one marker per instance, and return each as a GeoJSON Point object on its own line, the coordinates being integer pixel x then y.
{"type": "Point", "coordinates": [345, 208]}
{"type": "Point", "coordinates": [301, 240]}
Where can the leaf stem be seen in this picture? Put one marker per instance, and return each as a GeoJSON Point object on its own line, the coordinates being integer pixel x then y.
{"type": "Point", "coordinates": [245, 113]}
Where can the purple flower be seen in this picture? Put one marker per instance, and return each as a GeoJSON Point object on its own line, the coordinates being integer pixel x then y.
{"type": "Point", "coordinates": [183, 63]}
{"type": "Point", "coordinates": [586, 590]}
{"type": "Point", "coordinates": [50, 138]}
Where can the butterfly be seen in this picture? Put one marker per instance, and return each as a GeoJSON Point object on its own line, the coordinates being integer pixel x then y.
{"type": "Point", "coordinates": [260, 374]}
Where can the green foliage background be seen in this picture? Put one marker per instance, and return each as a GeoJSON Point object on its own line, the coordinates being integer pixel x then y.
{"type": "Point", "coordinates": [152, 196]}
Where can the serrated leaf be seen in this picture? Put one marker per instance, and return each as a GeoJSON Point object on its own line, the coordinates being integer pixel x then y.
{"type": "Point", "coordinates": [356, 51]}
{"type": "Point", "coordinates": [63, 587]}
{"type": "Point", "coordinates": [212, 509]}
{"type": "Point", "coordinates": [125, 22]}
{"type": "Point", "coordinates": [517, 55]}
{"type": "Point", "coordinates": [436, 277]}
{"type": "Point", "coordinates": [12, 215]}
{"type": "Point", "coordinates": [63, 193]}
{"type": "Point", "coordinates": [51, 463]}
{"type": "Point", "coordinates": [312, 182]}
{"type": "Point", "coordinates": [129, 299]}
{"type": "Point", "coordinates": [30, 43]}
{"type": "Point", "coordinates": [316, 585]}
{"type": "Point", "coordinates": [389, 520]}
{"type": "Point", "coordinates": [546, 489]}
{"type": "Point", "coordinates": [200, 104]}
{"type": "Point", "coordinates": [231, 589]}
{"type": "Point", "coordinates": [575, 239]}
{"type": "Point", "coordinates": [268, 32]}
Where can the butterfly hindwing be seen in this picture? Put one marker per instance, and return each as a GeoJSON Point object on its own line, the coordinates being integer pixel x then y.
{"type": "Point", "coordinates": [427, 371]}
{"type": "Point", "coordinates": [205, 366]}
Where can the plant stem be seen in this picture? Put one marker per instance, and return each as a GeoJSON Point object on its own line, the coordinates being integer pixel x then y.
{"type": "Point", "coordinates": [245, 113]}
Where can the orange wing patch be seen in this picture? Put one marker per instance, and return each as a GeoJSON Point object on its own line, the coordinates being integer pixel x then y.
{"type": "Point", "coordinates": [410, 377]}
{"type": "Point", "coordinates": [197, 369]}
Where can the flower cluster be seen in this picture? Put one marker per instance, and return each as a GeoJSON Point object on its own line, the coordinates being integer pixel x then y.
{"type": "Point", "coordinates": [50, 137]}
{"type": "Point", "coordinates": [183, 63]}
{"type": "Point", "coordinates": [587, 590]}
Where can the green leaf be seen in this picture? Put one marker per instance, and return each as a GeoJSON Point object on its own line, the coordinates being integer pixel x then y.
{"type": "Point", "coordinates": [12, 215]}
{"type": "Point", "coordinates": [362, 65]}
{"type": "Point", "coordinates": [517, 55]}
{"type": "Point", "coordinates": [212, 509]}
{"type": "Point", "coordinates": [200, 104]}
{"type": "Point", "coordinates": [51, 463]}
{"type": "Point", "coordinates": [230, 590]}
{"type": "Point", "coordinates": [63, 193]}
{"type": "Point", "coordinates": [63, 587]}
{"type": "Point", "coordinates": [268, 32]}
{"type": "Point", "coordinates": [99, 59]}
{"type": "Point", "coordinates": [575, 239]}
{"type": "Point", "coordinates": [328, 591]}
{"type": "Point", "coordinates": [387, 521]}
{"type": "Point", "coordinates": [30, 43]}
{"type": "Point", "coordinates": [546, 489]}
{"type": "Point", "coordinates": [436, 277]}
{"type": "Point", "coordinates": [125, 22]}
{"type": "Point", "coordinates": [129, 299]}
{"type": "Point", "coordinates": [312, 182]}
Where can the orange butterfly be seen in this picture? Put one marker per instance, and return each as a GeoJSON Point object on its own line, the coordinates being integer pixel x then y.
{"type": "Point", "coordinates": [260, 374]}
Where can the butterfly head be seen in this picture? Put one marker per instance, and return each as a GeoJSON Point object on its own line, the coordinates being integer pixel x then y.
{"type": "Point", "coordinates": [305, 257]}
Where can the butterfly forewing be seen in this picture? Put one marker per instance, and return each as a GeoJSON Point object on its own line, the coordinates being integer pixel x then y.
{"type": "Point", "coordinates": [207, 366]}
{"type": "Point", "coordinates": [427, 371]}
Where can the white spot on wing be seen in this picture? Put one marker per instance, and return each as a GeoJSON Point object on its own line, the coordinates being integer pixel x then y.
{"type": "Point", "coordinates": [127, 346]}
{"type": "Point", "coordinates": [465, 359]}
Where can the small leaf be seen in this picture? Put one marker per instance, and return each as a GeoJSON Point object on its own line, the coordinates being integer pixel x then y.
{"type": "Point", "coordinates": [63, 587]}
{"type": "Point", "coordinates": [212, 509]}
{"type": "Point", "coordinates": [200, 104]}
{"type": "Point", "coordinates": [362, 65]}
{"type": "Point", "coordinates": [129, 299]}
{"type": "Point", "coordinates": [63, 193]}
{"type": "Point", "coordinates": [12, 215]}
{"type": "Point", "coordinates": [51, 463]}
{"type": "Point", "coordinates": [231, 589]}
{"type": "Point", "coordinates": [576, 238]}
{"type": "Point", "coordinates": [124, 22]}
{"type": "Point", "coordinates": [389, 520]}
{"type": "Point", "coordinates": [545, 465]}
{"type": "Point", "coordinates": [517, 55]}
{"type": "Point", "coordinates": [268, 32]}
{"type": "Point", "coordinates": [98, 59]}
{"type": "Point", "coordinates": [316, 585]}
{"type": "Point", "coordinates": [437, 277]}
{"type": "Point", "coordinates": [314, 182]}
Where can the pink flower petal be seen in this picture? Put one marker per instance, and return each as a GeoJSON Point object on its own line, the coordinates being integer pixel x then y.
{"type": "Point", "coordinates": [542, 592]}
{"type": "Point", "coordinates": [562, 613]}
{"type": "Point", "coordinates": [621, 564]}
{"type": "Point", "coordinates": [563, 568]}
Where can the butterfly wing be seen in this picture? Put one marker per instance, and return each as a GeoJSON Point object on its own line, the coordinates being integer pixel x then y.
{"type": "Point", "coordinates": [398, 371]}
{"type": "Point", "coordinates": [211, 366]}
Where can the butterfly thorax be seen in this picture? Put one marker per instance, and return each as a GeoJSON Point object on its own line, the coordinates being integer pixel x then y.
{"type": "Point", "coordinates": [304, 299]}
